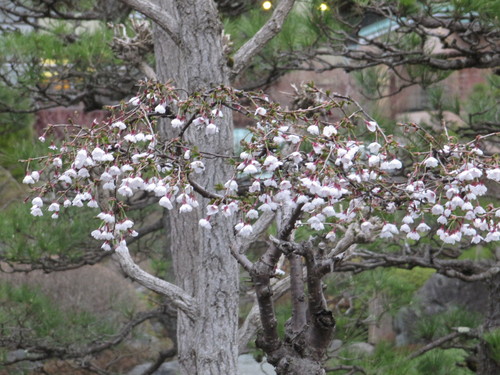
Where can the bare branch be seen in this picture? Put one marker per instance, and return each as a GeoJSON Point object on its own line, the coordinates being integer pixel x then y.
{"type": "Point", "coordinates": [178, 297]}
{"type": "Point", "coordinates": [158, 15]}
{"type": "Point", "coordinates": [272, 27]}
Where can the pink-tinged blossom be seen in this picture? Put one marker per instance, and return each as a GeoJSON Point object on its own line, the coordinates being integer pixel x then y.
{"type": "Point", "coordinates": [98, 154]}
{"type": "Point", "coordinates": [92, 203]}
{"type": "Point", "coordinates": [185, 208]}
{"type": "Point", "coordinates": [57, 162]}
{"type": "Point", "coordinates": [217, 113]}
{"type": "Point", "coordinates": [80, 159]}
{"type": "Point", "coordinates": [294, 139]}
{"type": "Point", "coordinates": [122, 247]}
{"type": "Point", "coordinates": [271, 163]}
{"type": "Point", "coordinates": [165, 202]}
{"type": "Point", "coordinates": [254, 187]}
{"type": "Point", "coordinates": [212, 209]}
{"type": "Point", "coordinates": [211, 129]}
{"type": "Point", "coordinates": [106, 217]}
{"type": "Point", "coordinates": [134, 100]}
{"type": "Point", "coordinates": [252, 168]}
{"type": "Point", "coordinates": [160, 108]}
{"type": "Point", "coordinates": [124, 225]}
{"type": "Point", "coordinates": [388, 231]}
{"type": "Point", "coordinates": [28, 179]}
{"type": "Point", "coordinates": [177, 123]}
{"type": "Point", "coordinates": [423, 227]}
{"type": "Point", "coordinates": [391, 165]}
{"type": "Point", "coordinates": [119, 124]}
{"type": "Point", "coordinates": [105, 246]}
{"type": "Point", "coordinates": [371, 126]}
{"type": "Point", "coordinates": [160, 190]}
{"type": "Point", "coordinates": [36, 211]}
{"type": "Point", "coordinates": [413, 236]}
{"type": "Point", "coordinates": [478, 189]}
{"type": "Point", "coordinates": [125, 191]}
{"type": "Point", "coordinates": [316, 222]}
{"type": "Point", "coordinates": [200, 121]}
{"type": "Point", "coordinates": [373, 160]}
{"type": "Point", "coordinates": [296, 157]}
{"type": "Point", "coordinates": [329, 130]}
{"type": "Point", "coordinates": [38, 202]}
{"type": "Point", "coordinates": [245, 231]}
{"type": "Point", "coordinates": [110, 185]}
{"type": "Point", "coordinates": [54, 207]}
{"type": "Point", "coordinates": [479, 210]}
{"type": "Point", "coordinates": [55, 215]}
{"type": "Point", "coordinates": [204, 223]}
{"type": "Point", "coordinates": [260, 111]}
{"type": "Point", "coordinates": [252, 214]}
{"type": "Point", "coordinates": [374, 147]}
{"type": "Point", "coordinates": [408, 219]}
{"type": "Point", "coordinates": [231, 186]}
{"type": "Point", "coordinates": [313, 129]}
{"type": "Point", "coordinates": [493, 174]}
{"type": "Point", "coordinates": [437, 209]}
{"type": "Point", "coordinates": [83, 173]}
{"type": "Point", "coordinates": [431, 162]}
{"type": "Point", "coordinates": [198, 166]}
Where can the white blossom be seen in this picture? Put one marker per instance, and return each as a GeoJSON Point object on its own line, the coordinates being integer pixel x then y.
{"type": "Point", "coordinates": [371, 126]}
{"type": "Point", "coordinates": [211, 129]}
{"type": "Point", "coordinates": [313, 129]}
{"type": "Point", "coordinates": [329, 130]}
{"type": "Point", "coordinates": [260, 111]}
{"type": "Point", "coordinates": [431, 162]}
{"type": "Point", "coordinates": [165, 202]}
{"type": "Point", "coordinates": [198, 166]}
{"type": "Point", "coordinates": [53, 207]}
{"type": "Point", "coordinates": [119, 124]}
{"type": "Point", "coordinates": [37, 201]}
{"type": "Point", "coordinates": [160, 108]}
{"type": "Point", "coordinates": [177, 123]}
{"type": "Point", "coordinates": [493, 174]}
{"type": "Point", "coordinates": [374, 147]}
{"type": "Point", "coordinates": [204, 223]}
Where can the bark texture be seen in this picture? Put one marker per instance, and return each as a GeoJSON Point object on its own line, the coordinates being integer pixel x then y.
{"type": "Point", "coordinates": [487, 365]}
{"type": "Point", "coordinates": [203, 263]}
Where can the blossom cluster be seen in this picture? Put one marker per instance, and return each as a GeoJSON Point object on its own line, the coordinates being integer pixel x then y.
{"type": "Point", "coordinates": [334, 168]}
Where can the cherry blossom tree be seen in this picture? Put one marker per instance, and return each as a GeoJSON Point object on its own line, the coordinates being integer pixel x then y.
{"type": "Point", "coordinates": [330, 168]}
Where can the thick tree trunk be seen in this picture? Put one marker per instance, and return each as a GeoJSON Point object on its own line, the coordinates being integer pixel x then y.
{"type": "Point", "coordinates": [203, 263]}
{"type": "Point", "coordinates": [487, 365]}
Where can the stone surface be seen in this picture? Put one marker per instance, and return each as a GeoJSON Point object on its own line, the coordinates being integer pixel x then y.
{"type": "Point", "coordinates": [439, 294]}
{"type": "Point", "coordinates": [10, 189]}
{"type": "Point", "coordinates": [361, 348]}
{"type": "Point", "coordinates": [247, 365]}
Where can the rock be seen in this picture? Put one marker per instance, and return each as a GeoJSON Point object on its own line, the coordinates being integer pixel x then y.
{"type": "Point", "coordinates": [247, 365]}
{"type": "Point", "coordinates": [361, 348]}
{"type": "Point", "coordinates": [10, 189]}
{"type": "Point", "coordinates": [439, 294]}
{"type": "Point", "coordinates": [335, 346]}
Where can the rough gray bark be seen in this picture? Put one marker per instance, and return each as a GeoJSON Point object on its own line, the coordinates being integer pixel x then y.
{"type": "Point", "coordinates": [487, 365]}
{"type": "Point", "coordinates": [203, 264]}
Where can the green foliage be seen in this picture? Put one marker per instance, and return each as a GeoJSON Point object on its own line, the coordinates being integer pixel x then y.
{"type": "Point", "coordinates": [27, 314]}
{"type": "Point", "coordinates": [493, 340]}
{"type": "Point", "coordinates": [442, 362]}
{"type": "Point", "coordinates": [28, 240]}
{"type": "Point", "coordinates": [438, 325]}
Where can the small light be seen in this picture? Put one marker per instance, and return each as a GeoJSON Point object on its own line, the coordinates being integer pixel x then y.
{"type": "Point", "coordinates": [266, 5]}
{"type": "Point", "coordinates": [323, 7]}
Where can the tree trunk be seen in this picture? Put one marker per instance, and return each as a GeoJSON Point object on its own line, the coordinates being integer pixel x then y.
{"type": "Point", "coordinates": [203, 264]}
{"type": "Point", "coordinates": [487, 365]}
